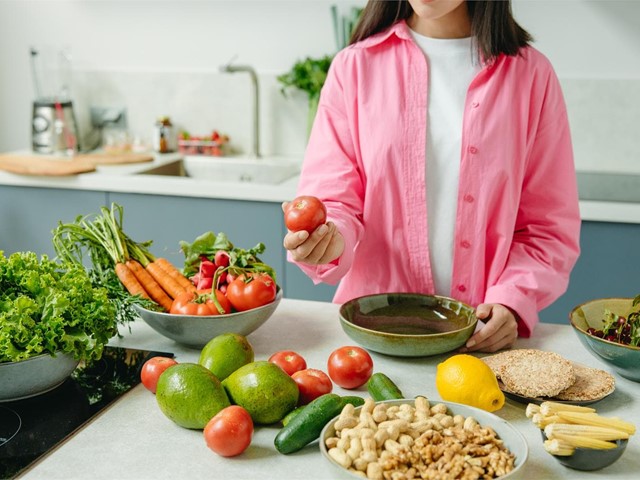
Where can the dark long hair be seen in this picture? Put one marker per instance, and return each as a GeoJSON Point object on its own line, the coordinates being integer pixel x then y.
{"type": "Point", "coordinates": [492, 24]}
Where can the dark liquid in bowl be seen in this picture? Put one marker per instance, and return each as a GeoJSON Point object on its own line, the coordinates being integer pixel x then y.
{"type": "Point", "coordinates": [410, 319]}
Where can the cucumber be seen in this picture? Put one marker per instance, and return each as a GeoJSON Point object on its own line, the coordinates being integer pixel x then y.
{"type": "Point", "coordinates": [380, 387]}
{"type": "Point", "coordinates": [291, 414]}
{"type": "Point", "coordinates": [305, 427]}
{"type": "Point", "coordinates": [353, 400]}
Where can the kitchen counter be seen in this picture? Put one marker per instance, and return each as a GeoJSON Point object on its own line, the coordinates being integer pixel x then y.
{"type": "Point", "coordinates": [128, 179]}
{"type": "Point", "coordinates": [133, 440]}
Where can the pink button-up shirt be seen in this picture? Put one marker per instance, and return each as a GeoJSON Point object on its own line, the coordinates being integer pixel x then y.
{"type": "Point", "coordinates": [517, 223]}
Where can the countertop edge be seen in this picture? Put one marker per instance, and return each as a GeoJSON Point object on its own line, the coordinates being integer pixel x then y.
{"type": "Point", "coordinates": [126, 179]}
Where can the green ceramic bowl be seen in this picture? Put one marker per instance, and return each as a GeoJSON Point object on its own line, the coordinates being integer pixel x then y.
{"type": "Point", "coordinates": [408, 324]}
{"type": "Point", "coordinates": [624, 359]}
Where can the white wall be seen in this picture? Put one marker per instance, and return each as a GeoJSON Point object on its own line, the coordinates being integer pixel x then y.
{"type": "Point", "coordinates": [162, 57]}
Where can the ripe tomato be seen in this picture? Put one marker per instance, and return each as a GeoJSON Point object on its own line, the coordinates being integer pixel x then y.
{"type": "Point", "coordinates": [350, 367]}
{"type": "Point", "coordinates": [152, 369]}
{"type": "Point", "coordinates": [249, 291]}
{"type": "Point", "coordinates": [289, 361]}
{"type": "Point", "coordinates": [229, 432]}
{"type": "Point", "coordinates": [305, 213]}
{"type": "Point", "coordinates": [311, 383]}
{"type": "Point", "coordinates": [200, 303]}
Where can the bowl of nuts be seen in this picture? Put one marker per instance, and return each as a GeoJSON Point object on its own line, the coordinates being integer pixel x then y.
{"type": "Point", "coordinates": [398, 438]}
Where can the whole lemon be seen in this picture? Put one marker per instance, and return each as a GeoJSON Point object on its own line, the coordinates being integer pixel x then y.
{"type": "Point", "coordinates": [468, 380]}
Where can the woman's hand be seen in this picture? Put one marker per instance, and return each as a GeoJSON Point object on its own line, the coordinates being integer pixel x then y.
{"type": "Point", "coordinates": [500, 329]}
{"type": "Point", "coordinates": [323, 246]}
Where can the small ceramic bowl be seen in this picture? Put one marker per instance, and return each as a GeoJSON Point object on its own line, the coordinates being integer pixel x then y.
{"type": "Point", "coordinates": [196, 330]}
{"type": "Point", "coordinates": [624, 359]}
{"type": "Point", "coordinates": [408, 324]}
{"type": "Point", "coordinates": [511, 437]}
{"type": "Point", "coordinates": [34, 376]}
{"type": "Point", "coordinates": [588, 459]}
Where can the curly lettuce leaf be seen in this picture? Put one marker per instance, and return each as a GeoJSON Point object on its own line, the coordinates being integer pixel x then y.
{"type": "Point", "coordinates": [45, 308]}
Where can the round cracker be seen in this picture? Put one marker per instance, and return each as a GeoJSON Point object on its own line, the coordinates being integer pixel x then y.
{"type": "Point", "coordinates": [590, 384]}
{"type": "Point", "coordinates": [537, 373]}
{"type": "Point", "coordinates": [497, 361]}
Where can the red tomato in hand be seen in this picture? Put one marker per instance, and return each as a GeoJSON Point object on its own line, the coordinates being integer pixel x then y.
{"type": "Point", "coordinates": [350, 367]}
{"type": "Point", "coordinates": [200, 303]}
{"type": "Point", "coordinates": [311, 383]}
{"type": "Point", "coordinates": [229, 432]}
{"type": "Point", "coordinates": [152, 369]}
{"type": "Point", "coordinates": [305, 213]}
{"type": "Point", "coordinates": [251, 291]}
{"type": "Point", "coordinates": [289, 361]}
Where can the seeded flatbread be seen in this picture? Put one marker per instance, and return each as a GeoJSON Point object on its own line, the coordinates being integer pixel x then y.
{"type": "Point", "coordinates": [537, 373]}
{"type": "Point", "coordinates": [590, 384]}
{"type": "Point", "coordinates": [497, 361]}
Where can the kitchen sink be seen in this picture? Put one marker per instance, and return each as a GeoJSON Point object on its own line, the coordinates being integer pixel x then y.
{"type": "Point", "coordinates": [270, 171]}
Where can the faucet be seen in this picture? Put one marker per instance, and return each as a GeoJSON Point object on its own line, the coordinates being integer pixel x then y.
{"type": "Point", "coordinates": [229, 68]}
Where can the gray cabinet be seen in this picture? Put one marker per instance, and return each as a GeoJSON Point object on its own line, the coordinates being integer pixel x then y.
{"type": "Point", "coordinates": [29, 214]}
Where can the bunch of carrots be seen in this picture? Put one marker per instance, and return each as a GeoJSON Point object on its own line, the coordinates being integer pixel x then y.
{"type": "Point", "coordinates": [103, 238]}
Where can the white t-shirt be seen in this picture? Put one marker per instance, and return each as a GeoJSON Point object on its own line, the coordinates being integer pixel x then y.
{"type": "Point", "coordinates": [452, 67]}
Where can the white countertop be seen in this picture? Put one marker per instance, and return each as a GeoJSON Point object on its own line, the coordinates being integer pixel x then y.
{"type": "Point", "coordinates": [125, 178]}
{"type": "Point", "coordinates": [133, 440]}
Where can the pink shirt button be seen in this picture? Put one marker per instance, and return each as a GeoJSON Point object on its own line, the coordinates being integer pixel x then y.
{"type": "Point", "coordinates": [465, 244]}
{"type": "Point", "coordinates": [462, 288]}
{"type": "Point", "coordinates": [469, 198]}
{"type": "Point", "coordinates": [475, 104]}
{"type": "Point", "coordinates": [473, 150]}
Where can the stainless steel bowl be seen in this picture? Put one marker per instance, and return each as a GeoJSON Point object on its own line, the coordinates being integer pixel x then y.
{"type": "Point", "coordinates": [34, 376]}
{"type": "Point", "coordinates": [196, 330]}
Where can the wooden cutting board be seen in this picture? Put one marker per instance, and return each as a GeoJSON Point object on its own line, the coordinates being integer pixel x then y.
{"type": "Point", "coordinates": [115, 158]}
{"type": "Point", "coordinates": [50, 165]}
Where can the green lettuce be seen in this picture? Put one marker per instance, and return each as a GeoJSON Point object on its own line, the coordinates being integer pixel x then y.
{"type": "Point", "coordinates": [48, 308]}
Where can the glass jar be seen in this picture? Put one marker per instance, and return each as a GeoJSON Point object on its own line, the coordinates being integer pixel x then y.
{"type": "Point", "coordinates": [163, 136]}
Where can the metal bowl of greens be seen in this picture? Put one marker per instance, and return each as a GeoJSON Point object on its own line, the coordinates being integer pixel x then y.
{"type": "Point", "coordinates": [47, 307]}
{"type": "Point", "coordinates": [34, 376]}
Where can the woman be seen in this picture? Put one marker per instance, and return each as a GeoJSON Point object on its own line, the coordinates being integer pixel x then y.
{"type": "Point", "coordinates": [442, 152]}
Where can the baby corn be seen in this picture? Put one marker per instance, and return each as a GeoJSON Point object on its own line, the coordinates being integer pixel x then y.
{"type": "Point", "coordinates": [551, 408]}
{"type": "Point", "coordinates": [531, 410]}
{"type": "Point", "coordinates": [541, 421]}
{"type": "Point", "coordinates": [591, 431]}
{"type": "Point", "coordinates": [568, 427]}
{"type": "Point", "coordinates": [597, 420]}
{"type": "Point", "coordinates": [584, 442]}
{"type": "Point", "coordinates": [557, 447]}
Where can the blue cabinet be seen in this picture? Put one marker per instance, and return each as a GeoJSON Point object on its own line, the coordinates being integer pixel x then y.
{"type": "Point", "coordinates": [609, 266]}
{"type": "Point", "coordinates": [29, 214]}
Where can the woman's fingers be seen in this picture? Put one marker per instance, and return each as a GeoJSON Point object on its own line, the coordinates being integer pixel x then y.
{"type": "Point", "coordinates": [500, 329]}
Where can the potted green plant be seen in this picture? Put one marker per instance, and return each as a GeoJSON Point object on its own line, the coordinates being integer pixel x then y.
{"type": "Point", "coordinates": [310, 74]}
